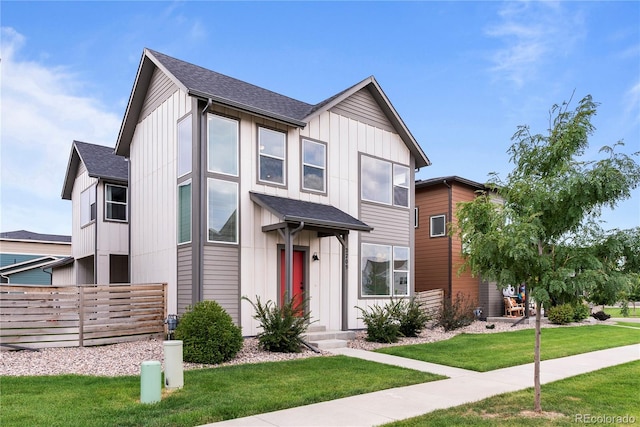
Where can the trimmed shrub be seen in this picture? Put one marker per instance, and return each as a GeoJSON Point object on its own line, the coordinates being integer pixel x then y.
{"type": "Point", "coordinates": [382, 326]}
{"type": "Point", "coordinates": [456, 314]}
{"type": "Point", "coordinates": [561, 314]}
{"type": "Point", "coordinates": [208, 334]}
{"type": "Point", "coordinates": [410, 314]}
{"type": "Point", "coordinates": [282, 327]}
{"type": "Point", "coordinates": [580, 312]}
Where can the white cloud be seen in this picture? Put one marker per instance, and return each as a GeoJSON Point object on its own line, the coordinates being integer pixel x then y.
{"type": "Point", "coordinates": [43, 110]}
{"type": "Point", "coordinates": [532, 35]}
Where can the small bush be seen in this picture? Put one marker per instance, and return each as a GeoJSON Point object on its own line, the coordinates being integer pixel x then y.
{"type": "Point", "coordinates": [580, 312]}
{"type": "Point", "coordinates": [411, 316]}
{"type": "Point", "coordinates": [208, 334]}
{"type": "Point", "coordinates": [601, 315]}
{"type": "Point", "coordinates": [561, 314]}
{"type": "Point", "coordinates": [382, 326]}
{"type": "Point", "coordinates": [282, 327]}
{"type": "Point", "coordinates": [456, 314]}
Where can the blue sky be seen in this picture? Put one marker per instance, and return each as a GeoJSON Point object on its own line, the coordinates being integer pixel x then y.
{"type": "Point", "coordinates": [462, 75]}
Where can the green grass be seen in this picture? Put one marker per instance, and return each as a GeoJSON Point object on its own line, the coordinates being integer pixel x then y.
{"type": "Point", "coordinates": [486, 352]}
{"type": "Point", "coordinates": [208, 395]}
{"type": "Point", "coordinates": [609, 392]}
{"type": "Point", "coordinates": [616, 312]}
{"type": "Point", "coordinates": [629, 324]}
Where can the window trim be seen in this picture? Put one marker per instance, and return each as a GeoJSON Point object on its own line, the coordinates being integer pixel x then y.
{"type": "Point", "coordinates": [303, 164]}
{"type": "Point", "coordinates": [444, 228]}
{"type": "Point", "coordinates": [92, 206]}
{"type": "Point", "coordinates": [283, 159]}
{"type": "Point", "coordinates": [106, 203]}
{"type": "Point", "coordinates": [391, 272]}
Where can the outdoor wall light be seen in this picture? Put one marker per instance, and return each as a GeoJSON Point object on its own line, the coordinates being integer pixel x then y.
{"type": "Point", "coordinates": [315, 256]}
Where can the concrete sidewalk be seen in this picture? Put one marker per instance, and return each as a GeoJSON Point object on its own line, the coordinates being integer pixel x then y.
{"type": "Point", "coordinates": [463, 386]}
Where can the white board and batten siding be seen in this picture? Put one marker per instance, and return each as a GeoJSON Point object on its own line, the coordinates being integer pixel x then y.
{"type": "Point", "coordinates": [83, 236]}
{"type": "Point", "coordinates": [152, 187]}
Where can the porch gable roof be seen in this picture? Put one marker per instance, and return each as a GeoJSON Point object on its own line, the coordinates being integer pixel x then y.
{"type": "Point", "coordinates": [310, 213]}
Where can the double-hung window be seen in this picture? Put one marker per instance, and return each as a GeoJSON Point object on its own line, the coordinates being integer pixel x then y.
{"type": "Point", "coordinates": [314, 160]}
{"type": "Point", "coordinates": [272, 156]}
{"type": "Point", "coordinates": [384, 270]}
{"type": "Point", "coordinates": [437, 226]}
{"type": "Point", "coordinates": [115, 202]}
{"type": "Point", "coordinates": [384, 182]}
{"type": "Point", "coordinates": [185, 151]}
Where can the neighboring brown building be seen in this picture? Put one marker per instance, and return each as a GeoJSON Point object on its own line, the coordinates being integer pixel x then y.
{"type": "Point", "coordinates": [439, 255]}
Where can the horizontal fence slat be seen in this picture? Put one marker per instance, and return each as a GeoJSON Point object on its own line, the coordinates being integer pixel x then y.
{"type": "Point", "coordinates": [66, 316]}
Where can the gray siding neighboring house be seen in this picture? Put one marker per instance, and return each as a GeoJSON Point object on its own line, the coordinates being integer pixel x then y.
{"type": "Point", "coordinates": [96, 182]}
{"type": "Point", "coordinates": [237, 191]}
{"type": "Point", "coordinates": [25, 256]}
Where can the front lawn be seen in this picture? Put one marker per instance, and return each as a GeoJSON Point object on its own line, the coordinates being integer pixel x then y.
{"type": "Point", "coordinates": [598, 397]}
{"type": "Point", "coordinates": [486, 352]}
{"type": "Point", "coordinates": [208, 395]}
{"type": "Point", "coordinates": [617, 312]}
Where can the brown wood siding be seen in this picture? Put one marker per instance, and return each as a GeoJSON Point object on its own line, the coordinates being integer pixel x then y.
{"type": "Point", "coordinates": [160, 89]}
{"type": "Point", "coordinates": [363, 107]}
{"type": "Point", "coordinates": [461, 282]}
{"type": "Point", "coordinates": [432, 253]}
{"type": "Point", "coordinates": [221, 278]}
{"type": "Point", "coordinates": [185, 272]}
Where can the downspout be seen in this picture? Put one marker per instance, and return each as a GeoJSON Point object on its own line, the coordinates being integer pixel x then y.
{"type": "Point", "coordinates": [449, 255]}
{"type": "Point", "coordinates": [128, 159]}
{"type": "Point", "coordinates": [95, 242]}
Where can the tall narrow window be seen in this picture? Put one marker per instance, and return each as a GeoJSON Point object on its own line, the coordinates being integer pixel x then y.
{"type": "Point", "coordinates": [376, 180]}
{"type": "Point", "coordinates": [222, 221]}
{"type": "Point", "coordinates": [184, 146]}
{"type": "Point", "coordinates": [115, 202]}
{"type": "Point", "coordinates": [222, 144]}
{"type": "Point", "coordinates": [314, 159]}
{"type": "Point", "coordinates": [400, 185]}
{"type": "Point", "coordinates": [272, 153]}
{"type": "Point", "coordinates": [400, 271]}
{"type": "Point", "coordinates": [88, 205]}
{"type": "Point", "coordinates": [184, 212]}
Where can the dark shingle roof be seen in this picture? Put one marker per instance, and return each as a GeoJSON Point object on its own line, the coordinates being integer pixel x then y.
{"type": "Point", "coordinates": [434, 181]}
{"type": "Point", "coordinates": [28, 235]}
{"type": "Point", "coordinates": [202, 82]}
{"type": "Point", "coordinates": [312, 214]}
{"type": "Point", "coordinates": [101, 162]}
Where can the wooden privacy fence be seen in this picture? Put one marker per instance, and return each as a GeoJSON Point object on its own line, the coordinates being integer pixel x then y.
{"type": "Point", "coordinates": [431, 300]}
{"type": "Point", "coordinates": [80, 315]}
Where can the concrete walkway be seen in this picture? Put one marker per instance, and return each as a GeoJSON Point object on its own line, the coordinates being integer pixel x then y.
{"type": "Point", "coordinates": [462, 387]}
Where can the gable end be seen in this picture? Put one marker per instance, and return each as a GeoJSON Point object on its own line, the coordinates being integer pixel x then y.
{"type": "Point", "coordinates": [363, 107]}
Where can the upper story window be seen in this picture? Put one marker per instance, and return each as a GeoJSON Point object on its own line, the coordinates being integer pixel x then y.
{"type": "Point", "coordinates": [222, 142]}
{"type": "Point", "coordinates": [222, 208]}
{"type": "Point", "coordinates": [384, 182]}
{"type": "Point", "coordinates": [314, 160]}
{"type": "Point", "coordinates": [438, 226]}
{"type": "Point", "coordinates": [272, 156]}
{"type": "Point", "coordinates": [115, 202]}
{"type": "Point", "coordinates": [88, 205]}
{"type": "Point", "coordinates": [185, 143]}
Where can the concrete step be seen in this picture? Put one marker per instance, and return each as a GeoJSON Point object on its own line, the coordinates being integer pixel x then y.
{"type": "Point", "coordinates": [329, 344]}
{"type": "Point", "coordinates": [329, 335]}
{"type": "Point", "coordinates": [316, 328]}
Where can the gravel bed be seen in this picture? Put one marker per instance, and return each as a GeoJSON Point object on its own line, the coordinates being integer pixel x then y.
{"type": "Point", "coordinates": [126, 358]}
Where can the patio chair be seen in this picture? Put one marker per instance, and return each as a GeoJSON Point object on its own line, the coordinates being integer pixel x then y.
{"type": "Point", "coordinates": [511, 307]}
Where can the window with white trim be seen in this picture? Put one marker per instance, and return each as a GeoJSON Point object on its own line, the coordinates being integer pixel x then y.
{"type": "Point", "coordinates": [88, 205]}
{"type": "Point", "coordinates": [272, 156]}
{"type": "Point", "coordinates": [222, 215]}
{"type": "Point", "coordinates": [438, 227]}
{"type": "Point", "coordinates": [184, 212]}
{"type": "Point", "coordinates": [314, 159]}
{"type": "Point", "coordinates": [115, 201]}
{"type": "Point", "coordinates": [222, 143]}
{"type": "Point", "coordinates": [384, 182]}
{"type": "Point", "coordinates": [384, 270]}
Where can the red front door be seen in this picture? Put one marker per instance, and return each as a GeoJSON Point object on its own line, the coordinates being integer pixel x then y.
{"type": "Point", "coordinates": [297, 278]}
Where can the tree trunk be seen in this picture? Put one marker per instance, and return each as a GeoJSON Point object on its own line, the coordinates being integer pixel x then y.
{"type": "Point", "coordinates": [536, 363]}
